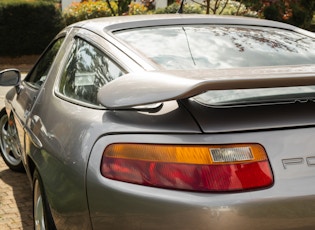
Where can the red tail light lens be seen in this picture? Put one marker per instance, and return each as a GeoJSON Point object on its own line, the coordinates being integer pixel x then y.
{"type": "Point", "coordinates": [216, 168]}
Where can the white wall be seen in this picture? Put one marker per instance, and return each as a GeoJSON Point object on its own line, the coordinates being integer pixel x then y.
{"type": "Point", "coordinates": [66, 3]}
{"type": "Point", "coordinates": [160, 4]}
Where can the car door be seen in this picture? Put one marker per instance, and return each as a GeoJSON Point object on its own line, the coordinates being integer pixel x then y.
{"type": "Point", "coordinates": [30, 87]}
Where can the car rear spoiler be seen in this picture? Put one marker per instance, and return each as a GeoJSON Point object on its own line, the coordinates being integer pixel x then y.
{"type": "Point", "coordinates": [136, 89]}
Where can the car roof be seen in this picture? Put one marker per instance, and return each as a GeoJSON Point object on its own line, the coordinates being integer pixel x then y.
{"type": "Point", "coordinates": [110, 24]}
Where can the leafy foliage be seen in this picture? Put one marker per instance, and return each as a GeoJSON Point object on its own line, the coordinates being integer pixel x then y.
{"type": "Point", "coordinates": [302, 13]}
{"type": "Point", "coordinates": [123, 6]}
{"type": "Point", "coordinates": [28, 26]}
{"type": "Point", "coordinates": [33, 17]}
{"type": "Point", "coordinates": [137, 9]}
{"type": "Point", "coordinates": [173, 8]}
{"type": "Point", "coordinates": [88, 10]}
{"type": "Point", "coordinates": [295, 12]}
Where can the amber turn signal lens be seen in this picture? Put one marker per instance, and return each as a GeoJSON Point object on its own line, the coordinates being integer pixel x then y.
{"type": "Point", "coordinates": [217, 168]}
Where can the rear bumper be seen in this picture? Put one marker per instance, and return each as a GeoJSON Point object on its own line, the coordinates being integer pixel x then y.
{"type": "Point", "coordinates": [196, 211]}
{"type": "Point", "coordinates": [289, 203]}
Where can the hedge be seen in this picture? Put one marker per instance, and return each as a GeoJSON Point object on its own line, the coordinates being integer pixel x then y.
{"type": "Point", "coordinates": [173, 8]}
{"type": "Point", "coordinates": [27, 27]}
{"type": "Point", "coordinates": [87, 10]}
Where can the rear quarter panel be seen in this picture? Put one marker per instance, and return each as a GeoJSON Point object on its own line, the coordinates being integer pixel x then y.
{"type": "Point", "coordinates": [68, 132]}
{"type": "Point", "coordinates": [288, 204]}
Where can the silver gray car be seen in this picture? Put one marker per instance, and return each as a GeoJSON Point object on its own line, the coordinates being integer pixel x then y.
{"type": "Point", "coordinates": [167, 122]}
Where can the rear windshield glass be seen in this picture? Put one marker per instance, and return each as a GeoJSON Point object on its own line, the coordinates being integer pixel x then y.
{"type": "Point", "coordinates": [220, 47]}
{"type": "Point", "coordinates": [217, 47]}
{"type": "Point", "coordinates": [240, 97]}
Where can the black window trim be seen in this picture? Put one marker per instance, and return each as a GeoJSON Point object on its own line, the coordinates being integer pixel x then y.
{"type": "Point", "coordinates": [92, 42]}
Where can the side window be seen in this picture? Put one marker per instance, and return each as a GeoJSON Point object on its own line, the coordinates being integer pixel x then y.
{"type": "Point", "coordinates": [40, 71]}
{"type": "Point", "coordinates": [87, 69]}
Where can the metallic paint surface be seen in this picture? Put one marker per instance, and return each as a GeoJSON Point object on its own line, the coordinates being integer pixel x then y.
{"type": "Point", "coordinates": [152, 87]}
{"type": "Point", "coordinates": [287, 202]}
{"type": "Point", "coordinates": [64, 140]}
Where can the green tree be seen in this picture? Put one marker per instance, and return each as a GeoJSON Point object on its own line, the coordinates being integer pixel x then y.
{"type": "Point", "coordinates": [123, 5]}
{"type": "Point", "coordinates": [254, 5]}
{"type": "Point", "coordinates": [213, 7]}
{"type": "Point", "coordinates": [295, 12]}
{"type": "Point", "coordinates": [302, 13]}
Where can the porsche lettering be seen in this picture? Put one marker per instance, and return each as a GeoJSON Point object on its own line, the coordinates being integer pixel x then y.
{"type": "Point", "coordinates": [309, 161]}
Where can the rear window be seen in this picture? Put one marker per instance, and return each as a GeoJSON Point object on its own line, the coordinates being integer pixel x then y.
{"type": "Point", "coordinates": [221, 47]}
{"type": "Point", "coordinates": [240, 97]}
{"type": "Point", "coordinates": [218, 47]}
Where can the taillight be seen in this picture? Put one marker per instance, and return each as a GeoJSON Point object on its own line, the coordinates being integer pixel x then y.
{"type": "Point", "coordinates": [217, 168]}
